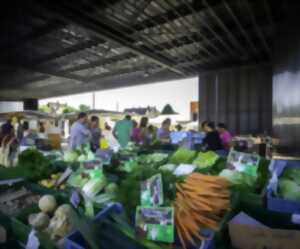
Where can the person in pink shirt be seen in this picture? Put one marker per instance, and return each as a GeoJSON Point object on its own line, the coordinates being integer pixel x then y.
{"type": "Point", "coordinates": [225, 136]}
{"type": "Point", "coordinates": [136, 133]}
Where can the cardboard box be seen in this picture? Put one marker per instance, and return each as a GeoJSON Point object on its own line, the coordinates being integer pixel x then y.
{"type": "Point", "coordinates": [247, 233]}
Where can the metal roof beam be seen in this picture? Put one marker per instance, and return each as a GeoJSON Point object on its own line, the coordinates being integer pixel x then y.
{"type": "Point", "coordinates": [66, 51]}
{"type": "Point", "coordinates": [243, 31]}
{"type": "Point", "coordinates": [106, 32]}
{"type": "Point", "coordinates": [37, 33]}
{"type": "Point", "coordinates": [99, 63]}
{"type": "Point", "coordinates": [215, 16]}
{"type": "Point", "coordinates": [258, 30]}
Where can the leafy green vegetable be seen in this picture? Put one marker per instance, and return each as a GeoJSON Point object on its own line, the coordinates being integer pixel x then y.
{"type": "Point", "coordinates": [169, 167]}
{"type": "Point", "coordinates": [130, 187]}
{"type": "Point", "coordinates": [35, 162]}
{"type": "Point", "coordinates": [206, 159]}
{"type": "Point", "coordinates": [239, 180]}
{"type": "Point", "coordinates": [111, 188]}
{"type": "Point", "coordinates": [71, 156]}
{"type": "Point", "coordinates": [289, 190]}
{"type": "Point", "coordinates": [94, 186]}
{"type": "Point", "coordinates": [292, 174]}
{"type": "Point", "coordinates": [154, 160]}
{"type": "Point", "coordinates": [183, 156]}
{"type": "Point", "coordinates": [129, 166]}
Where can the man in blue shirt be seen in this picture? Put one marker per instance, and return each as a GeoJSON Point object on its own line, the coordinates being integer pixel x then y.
{"type": "Point", "coordinates": [80, 134]}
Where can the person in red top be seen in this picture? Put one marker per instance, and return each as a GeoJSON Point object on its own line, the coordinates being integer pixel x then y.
{"type": "Point", "coordinates": [225, 136]}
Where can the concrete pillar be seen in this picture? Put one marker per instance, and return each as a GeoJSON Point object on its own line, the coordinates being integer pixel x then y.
{"type": "Point", "coordinates": [31, 104]}
{"type": "Point", "coordinates": [286, 87]}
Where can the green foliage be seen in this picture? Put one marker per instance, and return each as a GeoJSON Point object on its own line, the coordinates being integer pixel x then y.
{"type": "Point", "coordinates": [84, 108]}
{"type": "Point", "coordinates": [130, 187]}
{"type": "Point", "coordinates": [44, 108]}
{"type": "Point", "coordinates": [69, 109]}
{"type": "Point", "coordinates": [168, 110]}
{"type": "Point", "coordinates": [34, 162]}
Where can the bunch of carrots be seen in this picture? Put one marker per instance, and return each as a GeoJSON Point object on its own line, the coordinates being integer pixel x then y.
{"type": "Point", "coordinates": [201, 202]}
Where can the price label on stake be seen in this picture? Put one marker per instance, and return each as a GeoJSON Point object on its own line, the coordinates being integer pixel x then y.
{"type": "Point", "coordinates": [33, 241]}
{"type": "Point", "coordinates": [296, 219]}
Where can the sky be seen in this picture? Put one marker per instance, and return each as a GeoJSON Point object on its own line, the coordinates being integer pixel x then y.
{"type": "Point", "coordinates": [178, 93]}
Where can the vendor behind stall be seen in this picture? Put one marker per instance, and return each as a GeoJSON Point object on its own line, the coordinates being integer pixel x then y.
{"type": "Point", "coordinates": [80, 134]}
{"type": "Point", "coordinates": [212, 141]}
{"type": "Point", "coordinates": [225, 136]}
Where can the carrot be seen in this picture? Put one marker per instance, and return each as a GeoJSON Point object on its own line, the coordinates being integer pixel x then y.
{"type": "Point", "coordinates": [200, 203]}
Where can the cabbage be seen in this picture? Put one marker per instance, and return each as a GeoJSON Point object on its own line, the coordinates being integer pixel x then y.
{"type": "Point", "coordinates": [289, 190]}
{"type": "Point", "coordinates": [234, 177]}
{"type": "Point", "coordinates": [244, 181]}
{"type": "Point", "coordinates": [70, 156]}
{"type": "Point", "coordinates": [292, 174]}
{"type": "Point", "coordinates": [206, 159]}
{"type": "Point", "coordinates": [111, 188]}
{"type": "Point", "coordinates": [183, 156]}
{"type": "Point", "coordinates": [168, 167]}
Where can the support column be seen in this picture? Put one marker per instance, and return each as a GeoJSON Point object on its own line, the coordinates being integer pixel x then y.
{"type": "Point", "coordinates": [286, 88]}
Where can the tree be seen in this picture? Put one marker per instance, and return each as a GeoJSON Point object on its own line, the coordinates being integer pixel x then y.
{"type": "Point", "coordinates": [84, 108]}
{"type": "Point", "coordinates": [168, 110]}
{"type": "Point", "coordinates": [44, 108]}
{"type": "Point", "coordinates": [69, 109]}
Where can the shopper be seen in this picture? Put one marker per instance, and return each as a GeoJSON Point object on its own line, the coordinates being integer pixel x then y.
{"type": "Point", "coordinates": [144, 131]}
{"type": "Point", "coordinates": [136, 133]}
{"type": "Point", "coordinates": [212, 140]}
{"type": "Point", "coordinates": [80, 134]}
{"type": "Point", "coordinates": [7, 132]}
{"type": "Point", "coordinates": [95, 133]}
{"type": "Point", "coordinates": [225, 135]}
{"type": "Point", "coordinates": [163, 133]}
{"type": "Point", "coordinates": [123, 131]}
{"type": "Point", "coordinates": [28, 136]}
{"type": "Point", "coordinates": [178, 128]}
{"type": "Point", "coordinates": [151, 134]}
{"type": "Point", "coordinates": [42, 127]}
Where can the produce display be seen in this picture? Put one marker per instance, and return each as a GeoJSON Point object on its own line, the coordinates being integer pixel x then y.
{"type": "Point", "coordinates": [13, 201]}
{"type": "Point", "coordinates": [80, 154]}
{"type": "Point", "coordinates": [182, 155]}
{"type": "Point", "coordinates": [206, 159]}
{"type": "Point", "coordinates": [35, 163]}
{"type": "Point", "coordinates": [201, 202]}
{"type": "Point", "coordinates": [185, 191]}
{"type": "Point", "coordinates": [54, 220]}
{"type": "Point", "coordinates": [289, 184]}
{"type": "Point", "coordinates": [51, 182]}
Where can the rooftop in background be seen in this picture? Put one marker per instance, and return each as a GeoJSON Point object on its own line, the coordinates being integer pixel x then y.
{"type": "Point", "coordinates": [52, 48]}
{"type": "Point", "coordinates": [73, 115]}
{"type": "Point", "coordinates": [143, 111]}
{"type": "Point", "coordinates": [26, 115]}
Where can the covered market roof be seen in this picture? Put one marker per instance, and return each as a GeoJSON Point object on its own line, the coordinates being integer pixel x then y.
{"type": "Point", "coordinates": [57, 47]}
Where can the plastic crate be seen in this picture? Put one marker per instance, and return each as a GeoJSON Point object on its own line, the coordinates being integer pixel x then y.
{"type": "Point", "coordinates": [76, 241]}
{"type": "Point", "coordinates": [276, 203]}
